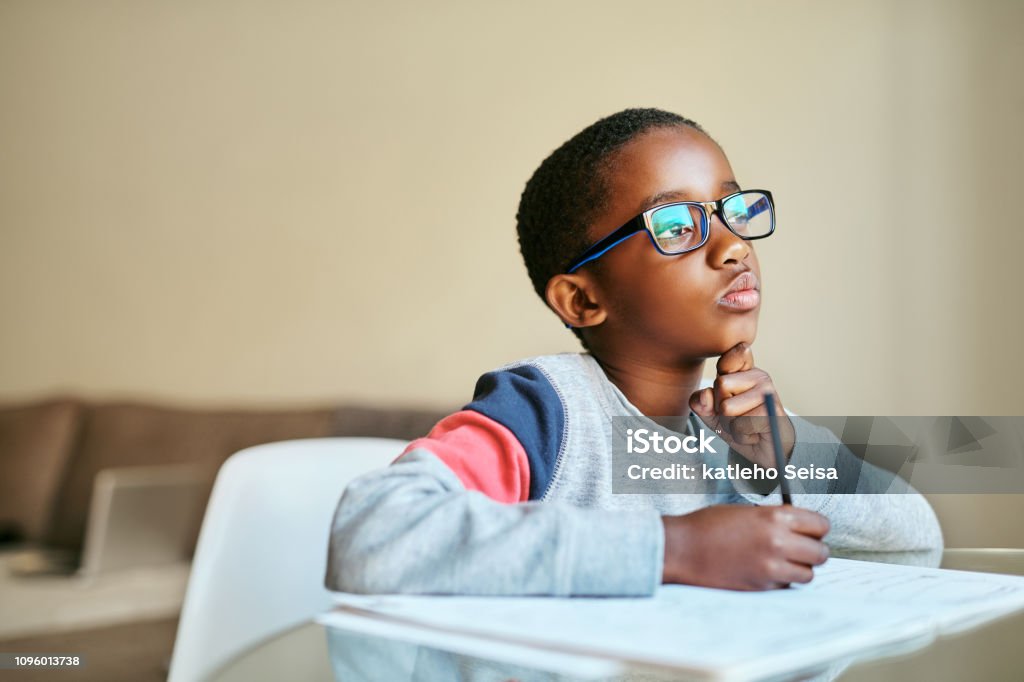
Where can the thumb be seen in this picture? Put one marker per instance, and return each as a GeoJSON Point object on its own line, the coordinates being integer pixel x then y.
{"type": "Point", "coordinates": [703, 404]}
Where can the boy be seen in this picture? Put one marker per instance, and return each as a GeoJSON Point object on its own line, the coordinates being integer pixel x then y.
{"type": "Point", "coordinates": [513, 495]}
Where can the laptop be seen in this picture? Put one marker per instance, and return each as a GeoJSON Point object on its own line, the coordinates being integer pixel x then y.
{"type": "Point", "coordinates": [138, 516]}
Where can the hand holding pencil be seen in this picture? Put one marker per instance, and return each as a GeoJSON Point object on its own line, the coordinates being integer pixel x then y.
{"type": "Point", "coordinates": [740, 547]}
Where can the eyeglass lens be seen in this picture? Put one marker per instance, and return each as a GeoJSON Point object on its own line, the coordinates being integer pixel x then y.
{"type": "Point", "coordinates": [681, 227]}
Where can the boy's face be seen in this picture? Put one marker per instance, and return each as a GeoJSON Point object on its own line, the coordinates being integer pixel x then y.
{"type": "Point", "coordinates": [674, 308]}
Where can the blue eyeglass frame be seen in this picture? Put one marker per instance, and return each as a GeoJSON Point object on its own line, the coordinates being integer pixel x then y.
{"type": "Point", "coordinates": [642, 223]}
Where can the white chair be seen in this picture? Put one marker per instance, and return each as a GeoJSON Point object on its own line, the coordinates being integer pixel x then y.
{"type": "Point", "coordinates": [262, 552]}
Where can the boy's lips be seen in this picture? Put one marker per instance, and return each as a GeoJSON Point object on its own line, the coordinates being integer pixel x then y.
{"type": "Point", "coordinates": [743, 294]}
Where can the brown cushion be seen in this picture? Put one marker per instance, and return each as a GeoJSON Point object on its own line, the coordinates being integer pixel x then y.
{"type": "Point", "coordinates": [381, 422]}
{"type": "Point", "coordinates": [36, 442]}
{"type": "Point", "coordinates": [136, 434]}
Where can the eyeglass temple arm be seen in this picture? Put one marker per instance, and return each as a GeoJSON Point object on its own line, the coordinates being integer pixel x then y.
{"type": "Point", "coordinates": [603, 246]}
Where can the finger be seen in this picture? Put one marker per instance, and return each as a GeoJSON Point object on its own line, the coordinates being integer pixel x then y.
{"type": "Point", "coordinates": [802, 549]}
{"type": "Point", "coordinates": [739, 358]}
{"type": "Point", "coordinates": [805, 521]}
{"type": "Point", "coordinates": [740, 382]}
{"type": "Point", "coordinates": [797, 573]}
{"type": "Point", "coordinates": [749, 403]}
{"type": "Point", "coordinates": [750, 429]}
{"type": "Point", "coordinates": [781, 573]}
{"type": "Point", "coordinates": [750, 426]}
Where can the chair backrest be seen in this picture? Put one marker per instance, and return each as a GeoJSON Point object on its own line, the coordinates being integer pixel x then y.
{"type": "Point", "coordinates": [262, 553]}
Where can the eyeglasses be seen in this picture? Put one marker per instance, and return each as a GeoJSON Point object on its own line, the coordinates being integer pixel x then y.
{"type": "Point", "coordinates": [684, 226]}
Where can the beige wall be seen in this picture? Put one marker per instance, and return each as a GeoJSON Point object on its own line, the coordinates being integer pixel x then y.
{"type": "Point", "coordinates": [278, 201]}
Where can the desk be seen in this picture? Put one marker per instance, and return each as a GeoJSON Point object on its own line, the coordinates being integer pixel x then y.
{"type": "Point", "coordinates": [992, 652]}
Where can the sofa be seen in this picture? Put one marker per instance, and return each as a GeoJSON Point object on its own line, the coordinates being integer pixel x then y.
{"type": "Point", "coordinates": [51, 450]}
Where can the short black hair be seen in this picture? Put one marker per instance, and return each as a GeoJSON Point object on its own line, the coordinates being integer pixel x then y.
{"type": "Point", "coordinates": [569, 189]}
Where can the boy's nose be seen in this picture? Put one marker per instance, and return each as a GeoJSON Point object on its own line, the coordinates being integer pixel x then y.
{"type": "Point", "coordinates": [723, 245]}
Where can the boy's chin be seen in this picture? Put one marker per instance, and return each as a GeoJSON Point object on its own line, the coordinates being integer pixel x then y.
{"type": "Point", "coordinates": [731, 341]}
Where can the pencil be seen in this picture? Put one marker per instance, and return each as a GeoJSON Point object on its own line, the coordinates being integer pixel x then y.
{"type": "Point", "coordinates": [780, 462]}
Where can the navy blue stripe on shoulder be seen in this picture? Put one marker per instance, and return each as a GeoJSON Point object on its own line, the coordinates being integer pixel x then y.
{"type": "Point", "coordinates": [523, 400]}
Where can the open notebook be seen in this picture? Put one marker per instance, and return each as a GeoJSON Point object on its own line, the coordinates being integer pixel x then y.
{"type": "Point", "coordinates": [851, 608]}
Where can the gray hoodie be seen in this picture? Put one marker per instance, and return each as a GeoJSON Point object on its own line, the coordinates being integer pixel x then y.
{"type": "Point", "coordinates": [416, 527]}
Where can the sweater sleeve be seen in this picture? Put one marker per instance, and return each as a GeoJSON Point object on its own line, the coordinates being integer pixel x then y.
{"type": "Point", "coordinates": [485, 455]}
{"type": "Point", "coordinates": [414, 528]}
{"type": "Point", "coordinates": [882, 513]}
{"type": "Point", "coordinates": [460, 511]}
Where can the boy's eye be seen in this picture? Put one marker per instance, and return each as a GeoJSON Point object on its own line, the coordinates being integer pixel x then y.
{"type": "Point", "coordinates": [674, 223]}
{"type": "Point", "coordinates": [677, 227]}
{"type": "Point", "coordinates": [675, 234]}
{"type": "Point", "coordinates": [737, 217]}
{"type": "Point", "coordinates": [674, 230]}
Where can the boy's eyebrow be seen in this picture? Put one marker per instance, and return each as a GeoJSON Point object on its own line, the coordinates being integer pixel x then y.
{"type": "Point", "coordinates": [669, 196]}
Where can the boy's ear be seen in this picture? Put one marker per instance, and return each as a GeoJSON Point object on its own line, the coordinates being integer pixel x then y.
{"type": "Point", "coordinates": [574, 299]}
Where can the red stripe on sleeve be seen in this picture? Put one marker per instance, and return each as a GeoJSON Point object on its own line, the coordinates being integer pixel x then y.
{"type": "Point", "coordinates": [485, 455]}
